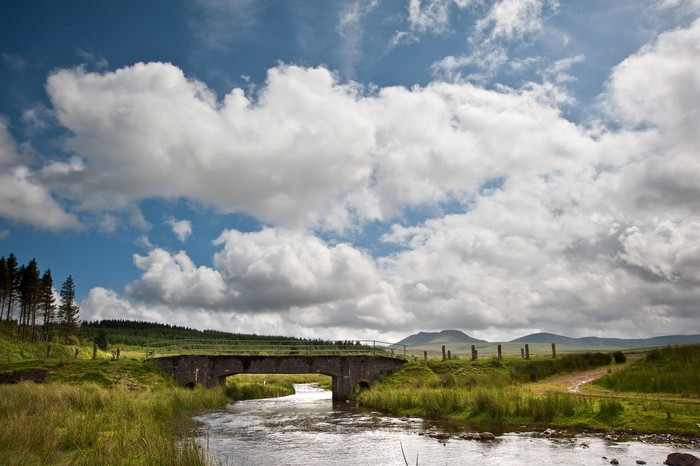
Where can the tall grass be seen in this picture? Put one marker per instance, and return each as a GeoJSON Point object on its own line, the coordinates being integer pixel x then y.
{"type": "Point", "coordinates": [89, 424]}
{"type": "Point", "coordinates": [673, 370]}
{"type": "Point", "coordinates": [502, 405]}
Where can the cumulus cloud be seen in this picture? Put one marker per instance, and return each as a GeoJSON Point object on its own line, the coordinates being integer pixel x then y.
{"type": "Point", "coordinates": [181, 228]}
{"type": "Point", "coordinates": [146, 130]}
{"type": "Point", "coordinates": [289, 273]}
{"type": "Point", "coordinates": [553, 225]}
{"type": "Point", "coordinates": [23, 196]}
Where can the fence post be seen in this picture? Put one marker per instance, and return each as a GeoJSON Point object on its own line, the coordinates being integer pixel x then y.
{"type": "Point", "coordinates": [425, 355]}
{"type": "Point", "coordinates": [443, 352]}
{"type": "Point", "coordinates": [449, 354]}
{"type": "Point", "coordinates": [527, 351]}
{"type": "Point", "coordinates": [500, 356]}
{"type": "Point", "coordinates": [473, 352]}
{"type": "Point", "coordinates": [554, 350]}
{"type": "Point", "coordinates": [94, 351]}
{"type": "Point", "coordinates": [522, 353]}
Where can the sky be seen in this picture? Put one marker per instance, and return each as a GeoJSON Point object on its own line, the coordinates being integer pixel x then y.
{"type": "Point", "coordinates": [359, 169]}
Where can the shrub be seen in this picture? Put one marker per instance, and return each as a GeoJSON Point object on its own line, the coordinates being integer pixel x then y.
{"type": "Point", "coordinates": [72, 340]}
{"type": "Point", "coordinates": [609, 408]}
{"type": "Point", "coordinates": [619, 357]}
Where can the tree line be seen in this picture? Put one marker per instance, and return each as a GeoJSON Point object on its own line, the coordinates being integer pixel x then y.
{"type": "Point", "coordinates": [136, 333]}
{"type": "Point", "coordinates": [28, 298]}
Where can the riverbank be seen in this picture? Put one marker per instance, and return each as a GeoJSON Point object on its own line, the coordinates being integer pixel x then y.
{"type": "Point", "coordinates": [529, 393]}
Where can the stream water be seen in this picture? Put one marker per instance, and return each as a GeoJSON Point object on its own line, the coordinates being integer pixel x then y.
{"type": "Point", "coordinates": [308, 429]}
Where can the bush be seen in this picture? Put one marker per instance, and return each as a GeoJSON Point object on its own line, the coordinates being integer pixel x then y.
{"type": "Point", "coordinates": [72, 340]}
{"type": "Point", "coordinates": [619, 357]}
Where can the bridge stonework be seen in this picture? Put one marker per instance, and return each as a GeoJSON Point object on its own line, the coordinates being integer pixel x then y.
{"type": "Point", "coordinates": [346, 371]}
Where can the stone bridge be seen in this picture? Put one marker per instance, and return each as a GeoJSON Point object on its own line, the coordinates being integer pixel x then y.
{"type": "Point", "coordinates": [347, 372]}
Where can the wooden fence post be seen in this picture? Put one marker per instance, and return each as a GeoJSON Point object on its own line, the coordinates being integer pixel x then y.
{"type": "Point", "coordinates": [500, 355]}
{"type": "Point", "coordinates": [527, 351]}
{"type": "Point", "coordinates": [443, 352]}
{"type": "Point", "coordinates": [554, 350]}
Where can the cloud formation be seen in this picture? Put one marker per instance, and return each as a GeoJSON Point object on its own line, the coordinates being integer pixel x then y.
{"type": "Point", "coordinates": [536, 221]}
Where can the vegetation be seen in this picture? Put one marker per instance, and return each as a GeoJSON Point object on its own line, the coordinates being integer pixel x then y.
{"type": "Point", "coordinates": [23, 288]}
{"type": "Point", "coordinates": [91, 411]}
{"type": "Point", "coordinates": [501, 391]}
{"type": "Point", "coordinates": [673, 370]}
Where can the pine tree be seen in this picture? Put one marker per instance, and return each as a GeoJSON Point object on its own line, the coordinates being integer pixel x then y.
{"type": "Point", "coordinates": [5, 284]}
{"type": "Point", "coordinates": [30, 296]}
{"type": "Point", "coordinates": [67, 310]}
{"type": "Point", "coordinates": [10, 285]}
{"type": "Point", "coordinates": [48, 301]}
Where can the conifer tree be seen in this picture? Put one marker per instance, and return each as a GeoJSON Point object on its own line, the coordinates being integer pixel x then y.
{"type": "Point", "coordinates": [29, 293]}
{"type": "Point", "coordinates": [48, 301]}
{"type": "Point", "coordinates": [10, 284]}
{"type": "Point", "coordinates": [67, 310]}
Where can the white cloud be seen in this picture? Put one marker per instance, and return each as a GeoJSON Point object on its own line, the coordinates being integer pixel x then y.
{"type": "Point", "coordinates": [351, 31]}
{"type": "Point", "coordinates": [181, 228]}
{"type": "Point", "coordinates": [176, 280]}
{"type": "Point", "coordinates": [513, 19]}
{"type": "Point", "coordinates": [23, 197]}
{"type": "Point", "coordinates": [555, 226]}
{"type": "Point", "coordinates": [148, 131]}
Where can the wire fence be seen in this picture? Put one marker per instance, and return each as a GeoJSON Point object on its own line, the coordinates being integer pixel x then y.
{"type": "Point", "coordinates": [273, 348]}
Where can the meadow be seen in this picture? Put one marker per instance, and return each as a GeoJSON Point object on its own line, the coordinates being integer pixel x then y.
{"type": "Point", "coordinates": [91, 411]}
{"type": "Point", "coordinates": [505, 392]}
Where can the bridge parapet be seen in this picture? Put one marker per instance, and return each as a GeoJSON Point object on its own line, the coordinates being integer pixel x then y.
{"type": "Point", "coordinates": [346, 371]}
{"type": "Point", "coordinates": [274, 348]}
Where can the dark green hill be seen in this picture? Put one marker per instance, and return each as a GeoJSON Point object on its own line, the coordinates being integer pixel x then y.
{"type": "Point", "coordinates": [445, 337]}
{"type": "Point", "coordinates": [137, 333]}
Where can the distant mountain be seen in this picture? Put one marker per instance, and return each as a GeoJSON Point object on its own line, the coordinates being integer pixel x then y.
{"type": "Point", "coordinates": [438, 338]}
{"type": "Point", "coordinates": [460, 341]}
{"type": "Point", "coordinates": [597, 341]}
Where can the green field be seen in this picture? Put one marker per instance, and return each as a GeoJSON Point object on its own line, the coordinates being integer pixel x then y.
{"type": "Point", "coordinates": [90, 411]}
{"type": "Point", "coordinates": [505, 391]}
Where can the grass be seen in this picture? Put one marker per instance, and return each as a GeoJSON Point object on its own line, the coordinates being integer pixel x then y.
{"type": "Point", "coordinates": [499, 391]}
{"type": "Point", "coordinates": [255, 386]}
{"type": "Point", "coordinates": [64, 423]}
{"type": "Point", "coordinates": [107, 411]}
{"type": "Point", "coordinates": [674, 370]}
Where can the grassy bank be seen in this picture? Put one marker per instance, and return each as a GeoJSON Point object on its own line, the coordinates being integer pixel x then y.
{"type": "Point", "coordinates": [62, 423]}
{"type": "Point", "coordinates": [106, 411]}
{"type": "Point", "coordinates": [500, 391]}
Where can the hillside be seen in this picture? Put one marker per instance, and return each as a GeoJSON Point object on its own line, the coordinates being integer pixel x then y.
{"type": "Point", "coordinates": [137, 333]}
{"type": "Point", "coordinates": [445, 337]}
{"type": "Point", "coordinates": [460, 343]}
{"type": "Point", "coordinates": [606, 342]}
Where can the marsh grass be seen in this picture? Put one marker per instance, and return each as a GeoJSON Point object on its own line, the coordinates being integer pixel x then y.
{"type": "Point", "coordinates": [90, 424]}
{"type": "Point", "coordinates": [674, 370]}
{"type": "Point", "coordinates": [498, 391]}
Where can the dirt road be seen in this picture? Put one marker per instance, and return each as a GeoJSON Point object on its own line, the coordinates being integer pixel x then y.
{"type": "Point", "coordinates": [572, 382]}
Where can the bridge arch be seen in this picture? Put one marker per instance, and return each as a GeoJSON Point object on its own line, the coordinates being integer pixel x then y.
{"type": "Point", "coordinates": [347, 372]}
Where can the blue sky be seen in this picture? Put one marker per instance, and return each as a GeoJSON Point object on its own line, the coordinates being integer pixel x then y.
{"type": "Point", "coordinates": [359, 169]}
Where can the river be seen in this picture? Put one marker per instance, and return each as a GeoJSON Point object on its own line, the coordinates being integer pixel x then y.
{"type": "Point", "coordinates": [308, 429]}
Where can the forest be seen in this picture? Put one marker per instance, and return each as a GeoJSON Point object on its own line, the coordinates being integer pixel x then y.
{"type": "Point", "coordinates": [28, 298]}
{"type": "Point", "coordinates": [136, 333]}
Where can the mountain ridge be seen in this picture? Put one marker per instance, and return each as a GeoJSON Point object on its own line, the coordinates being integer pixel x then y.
{"type": "Point", "coordinates": [457, 336]}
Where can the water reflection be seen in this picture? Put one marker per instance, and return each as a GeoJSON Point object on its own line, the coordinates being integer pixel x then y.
{"type": "Point", "coordinates": [308, 429]}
